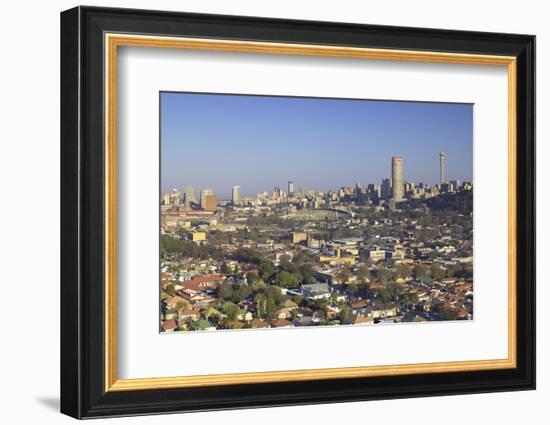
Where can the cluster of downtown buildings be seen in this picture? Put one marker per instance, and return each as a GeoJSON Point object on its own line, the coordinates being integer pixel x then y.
{"type": "Point", "coordinates": [356, 255]}
{"type": "Point", "coordinates": [390, 190]}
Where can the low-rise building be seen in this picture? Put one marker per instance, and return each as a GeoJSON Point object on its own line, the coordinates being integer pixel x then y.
{"type": "Point", "coordinates": [198, 236]}
{"type": "Point", "coordinates": [298, 237]}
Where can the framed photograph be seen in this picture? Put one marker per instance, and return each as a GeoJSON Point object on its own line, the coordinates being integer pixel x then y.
{"type": "Point", "coordinates": [261, 212]}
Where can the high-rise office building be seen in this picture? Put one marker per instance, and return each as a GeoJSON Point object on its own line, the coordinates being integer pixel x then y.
{"type": "Point", "coordinates": [408, 187]}
{"type": "Point", "coordinates": [397, 178]}
{"type": "Point", "coordinates": [190, 196]}
{"type": "Point", "coordinates": [455, 183]}
{"type": "Point", "coordinates": [290, 187]}
{"type": "Point", "coordinates": [175, 197]}
{"type": "Point", "coordinates": [204, 193]}
{"type": "Point", "coordinates": [210, 202]}
{"type": "Point", "coordinates": [386, 188]}
{"type": "Point", "coordinates": [374, 191]}
{"type": "Point", "coordinates": [358, 188]}
{"type": "Point", "coordinates": [277, 194]}
{"type": "Point", "coordinates": [236, 195]}
{"type": "Point", "coordinates": [441, 167]}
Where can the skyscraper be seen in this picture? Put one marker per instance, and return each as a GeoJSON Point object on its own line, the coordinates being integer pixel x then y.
{"type": "Point", "coordinates": [290, 187]}
{"type": "Point", "coordinates": [374, 191]}
{"type": "Point", "coordinates": [236, 195]}
{"type": "Point", "coordinates": [210, 202]}
{"type": "Point", "coordinates": [189, 196]}
{"type": "Point", "coordinates": [204, 193]}
{"type": "Point", "coordinates": [397, 178]}
{"type": "Point", "coordinates": [441, 167]}
{"type": "Point", "coordinates": [358, 188]}
{"type": "Point", "coordinates": [386, 190]}
{"type": "Point", "coordinates": [277, 194]}
{"type": "Point", "coordinates": [175, 197]}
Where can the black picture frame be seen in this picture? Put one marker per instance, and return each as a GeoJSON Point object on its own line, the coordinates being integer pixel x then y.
{"type": "Point", "coordinates": [82, 206]}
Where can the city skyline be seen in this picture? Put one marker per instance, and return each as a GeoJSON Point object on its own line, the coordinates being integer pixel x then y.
{"type": "Point", "coordinates": [325, 144]}
{"type": "Point", "coordinates": [236, 193]}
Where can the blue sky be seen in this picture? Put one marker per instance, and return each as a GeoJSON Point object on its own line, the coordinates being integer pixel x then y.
{"type": "Point", "coordinates": [259, 142]}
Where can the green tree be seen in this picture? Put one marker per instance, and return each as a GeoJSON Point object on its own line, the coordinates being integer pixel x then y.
{"type": "Point", "coordinates": [288, 280]}
{"type": "Point", "coordinates": [448, 315]}
{"type": "Point", "coordinates": [438, 272]}
{"type": "Point", "coordinates": [225, 291]}
{"type": "Point", "coordinates": [395, 290]}
{"type": "Point", "coordinates": [383, 274]}
{"type": "Point", "coordinates": [266, 270]}
{"type": "Point", "coordinates": [343, 275]}
{"type": "Point", "coordinates": [346, 314]}
{"type": "Point", "coordinates": [260, 300]}
{"type": "Point", "coordinates": [180, 306]}
{"type": "Point", "coordinates": [298, 299]}
{"type": "Point", "coordinates": [273, 293]}
{"type": "Point", "coordinates": [421, 270]}
{"type": "Point", "coordinates": [258, 284]}
{"type": "Point", "coordinates": [241, 294]}
{"type": "Point", "coordinates": [409, 298]}
{"type": "Point", "coordinates": [456, 270]}
{"type": "Point", "coordinates": [403, 270]}
{"type": "Point", "coordinates": [306, 270]}
{"type": "Point", "coordinates": [251, 234]}
{"type": "Point", "coordinates": [231, 310]}
{"type": "Point", "coordinates": [302, 257]}
{"type": "Point", "coordinates": [225, 269]}
{"type": "Point", "coordinates": [285, 259]}
{"type": "Point", "coordinates": [308, 279]}
{"type": "Point", "coordinates": [322, 306]}
{"type": "Point", "coordinates": [248, 255]}
{"type": "Point", "coordinates": [170, 290]}
{"type": "Point", "coordinates": [252, 278]}
{"type": "Point", "coordinates": [363, 274]}
{"type": "Point", "coordinates": [270, 309]}
{"type": "Point", "coordinates": [353, 289]}
{"type": "Point", "coordinates": [384, 296]}
{"type": "Point", "coordinates": [468, 271]}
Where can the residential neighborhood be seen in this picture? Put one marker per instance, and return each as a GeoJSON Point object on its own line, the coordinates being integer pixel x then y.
{"type": "Point", "coordinates": [361, 255]}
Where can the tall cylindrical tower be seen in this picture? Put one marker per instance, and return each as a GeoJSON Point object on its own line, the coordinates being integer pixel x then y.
{"type": "Point", "coordinates": [397, 178]}
{"type": "Point", "coordinates": [441, 167]}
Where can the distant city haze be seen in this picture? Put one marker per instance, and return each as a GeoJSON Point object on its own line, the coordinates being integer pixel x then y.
{"type": "Point", "coordinates": [259, 142]}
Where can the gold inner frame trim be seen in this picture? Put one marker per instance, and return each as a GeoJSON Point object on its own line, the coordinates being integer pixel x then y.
{"type": "Point", "coordinates": [113, 41]}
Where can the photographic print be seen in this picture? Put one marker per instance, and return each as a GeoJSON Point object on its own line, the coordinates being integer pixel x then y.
{"type": "Point", "coordinates": [324, 185]}
{"type": "Point", "coordinates": [281, 212]}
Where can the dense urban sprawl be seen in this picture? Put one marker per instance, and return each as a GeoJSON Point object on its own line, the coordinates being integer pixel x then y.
{"type": "Point", "coordinates": [381, 253]}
